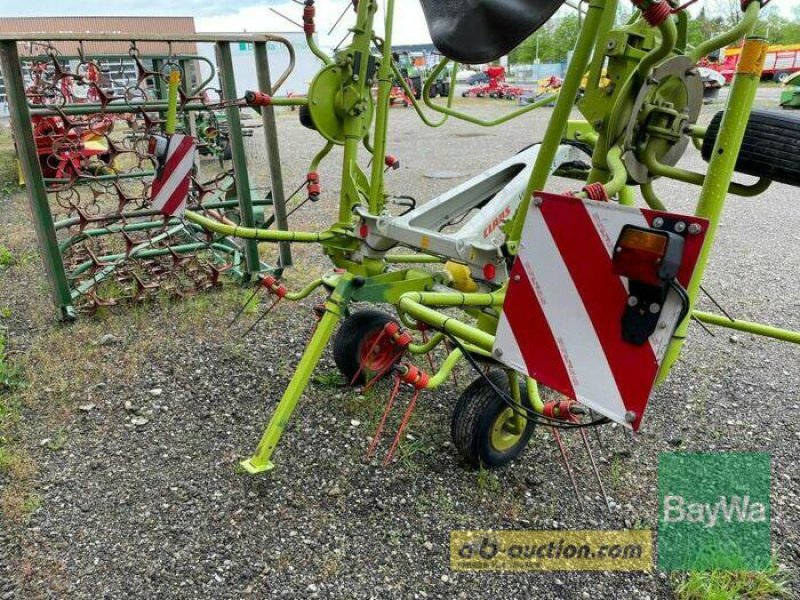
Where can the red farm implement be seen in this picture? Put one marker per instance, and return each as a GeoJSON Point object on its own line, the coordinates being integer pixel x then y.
{"type": "Point", "coordinates": [69, 147]}
{"type": "Point", "coordinates": [496, 86]}
{"type": "Point", "coordinates": [68, 150]}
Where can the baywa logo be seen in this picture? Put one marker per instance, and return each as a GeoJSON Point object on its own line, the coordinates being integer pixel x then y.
{"type": "Point", "coordinates": [736, 508]}
{"type": "Point", "coordinates": [714, 511]}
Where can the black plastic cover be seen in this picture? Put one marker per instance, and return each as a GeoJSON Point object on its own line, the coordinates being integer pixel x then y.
{"type": "Point", "coordinates": [480, 31]}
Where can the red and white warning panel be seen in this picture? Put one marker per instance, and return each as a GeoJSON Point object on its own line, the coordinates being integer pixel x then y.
{"type": "Point", "coordinates": [170, 189]}
{"type": "Point", "coordinates": [594, 297]}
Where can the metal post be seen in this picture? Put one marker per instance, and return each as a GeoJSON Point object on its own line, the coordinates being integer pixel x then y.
{"type": "Point", "coordinates": [382, 116]}
{"type": "Point", "coordinates": [37, 193]}
{"type": "Point", "coordinates": [784, 335]}
{"type": "Point", "coordinates": [334, 311]}
{"type": "Point", "coordinates": [722, 164]}
{"type": "Point", "coordinates": [273, 151]}
{"type": "Point", "coordinates": [356, 88]}
{"type": "Point", "coordinates": [161, 90]}
{"type": "Point", "coordinates": [187, 85]}
{"type": "Point", "coordinates": [228, 85]}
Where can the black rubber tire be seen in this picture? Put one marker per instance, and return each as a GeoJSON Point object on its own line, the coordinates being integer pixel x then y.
{"type": "Point", "coordinates": [473, 417]}
{"type": "Point", "coordinates": [781, 76]}
{"type": "Point", "coordinates": [350, 337]}
{"type": "Point", "coordinates": [445, 90]}
{"type": "Point", "coordinates": [769, 148]}
{"type": "Point", "coordinates": [227, 151]}
{"type": "Point", "coordinates": [305, 117]}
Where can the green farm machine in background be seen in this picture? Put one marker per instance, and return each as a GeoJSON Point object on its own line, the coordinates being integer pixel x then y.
{"type": "Point", "coordinates": [414, 66]}
{"type": "Point", "coordinates": [493, 273]}
{"type": "Point", "coordinates": [790, 95]}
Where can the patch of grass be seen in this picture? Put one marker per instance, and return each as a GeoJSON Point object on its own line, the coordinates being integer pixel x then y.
{"type": "Point", "coordinates": [13, 464]}
{"type": "Point", "coordinates": [411, 451]}
{"type": "Point", "coordinates": [733, 585]}
{"type": "Point", "coordinates": [366, 407]}
{"type": "Point", "coordinates": [197, 306]}
{"type": "Point", "coordinates": [9, 179]}
{"type": "Point", "coordinates": [488, 481]}
{"type": "Point", "coordinates": [7, 188]}
{"type": "Point", "coordinates": [110, 290]}
{"type": "Point", "coordinates": [5, 312]}
{"type": "Point", "coordinates": [58, 441]}
{"type": "Point", "coordinates": [615, 472]}
{"type": "Point", "coordinates": [31, 503]}
{"type": "Point", "coordinates": [332, 378]}
{"type": "Point", "coordinates": [17, 504]}
{"type": "Point", "coordinates": [6, 257]}
{"type": "Point", "coordinates": [10, 373]}
{"type": "Point", "coordinates": [249, 302]}
{"type": "Point", "coordinates": [236, 349]}
{"type": "Point", "coordinates": [17, 499]}
{"type": "Point", "coordinates": [16, 465]}
{"type": "Point", "coordinates": [445, 502]}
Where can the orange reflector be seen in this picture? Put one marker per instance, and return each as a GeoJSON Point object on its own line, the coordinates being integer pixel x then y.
{"type": "Point", "coordinates": [639, 253]}
{"type": "Point", "coordinates": [639, 239]}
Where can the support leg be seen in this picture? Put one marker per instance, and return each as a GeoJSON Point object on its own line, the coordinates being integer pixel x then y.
{"type": "Point", "coordinates": [334, 310]}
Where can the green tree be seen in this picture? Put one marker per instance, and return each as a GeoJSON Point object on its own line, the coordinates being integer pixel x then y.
{"type": "Point", "coordinates": [552, 42]}
{"type": "Point", "coordinates": [702, 27]}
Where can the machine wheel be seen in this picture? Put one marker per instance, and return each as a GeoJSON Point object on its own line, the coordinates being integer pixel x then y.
{"type": "Point", "coordinates": [769, 148]}
{"type": "Point", "coordinates": [781, 76]}
{"type": "Point", "coordinates": [464, 94]}
{"type": "Point", "coordinates": [445, 90]}
{"type": "Point", "coordinates": [483, 425]}
{"type": "Point", "coordinates": [305, 117]}
{"type": "Point", "coordinates": [227, 151]}
{"type": "Point", "coordinates": [355, 344]}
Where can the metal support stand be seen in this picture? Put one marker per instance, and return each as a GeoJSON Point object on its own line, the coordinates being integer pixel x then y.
{"type": "Point", "coordinates": [31, 170]}
{"type": "Point", "coordinates": [334, 310]}
{"type": "Point", "coordinates": [239, 156]}
{"type": "Point", "coordinates": [273, 151]}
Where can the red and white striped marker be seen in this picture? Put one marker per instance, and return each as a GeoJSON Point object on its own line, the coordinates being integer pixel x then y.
{"type": "Point", "coordinates": [171, 186]}
{"type": "Point", "coordinates": [561, 321]}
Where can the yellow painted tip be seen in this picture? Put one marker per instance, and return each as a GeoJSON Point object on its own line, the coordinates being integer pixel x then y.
{"type": "Point", "coordinates": [254, 469]}
{"type": "Point", "coordinates": [174, 77]}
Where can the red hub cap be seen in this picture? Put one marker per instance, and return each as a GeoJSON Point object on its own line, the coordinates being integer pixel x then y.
{"type": "Point", "coordinates": [377, 352]}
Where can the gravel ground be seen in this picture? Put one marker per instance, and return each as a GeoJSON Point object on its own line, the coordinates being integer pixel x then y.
{"type": "Point", "coordinates": [124, 482]}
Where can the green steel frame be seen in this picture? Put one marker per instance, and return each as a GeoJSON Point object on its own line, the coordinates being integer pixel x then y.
{"type": "Point", "coordinates": [409, 290]}
{"type": "Point", "coordinates": [64, 293]}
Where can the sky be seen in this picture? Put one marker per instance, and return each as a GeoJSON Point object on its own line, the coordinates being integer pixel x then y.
{"type": "Point", "coordinates": [250, 15]}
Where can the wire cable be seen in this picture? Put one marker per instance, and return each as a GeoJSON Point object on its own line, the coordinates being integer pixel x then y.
{"type": "Point", "coordinates": [519, 409]}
